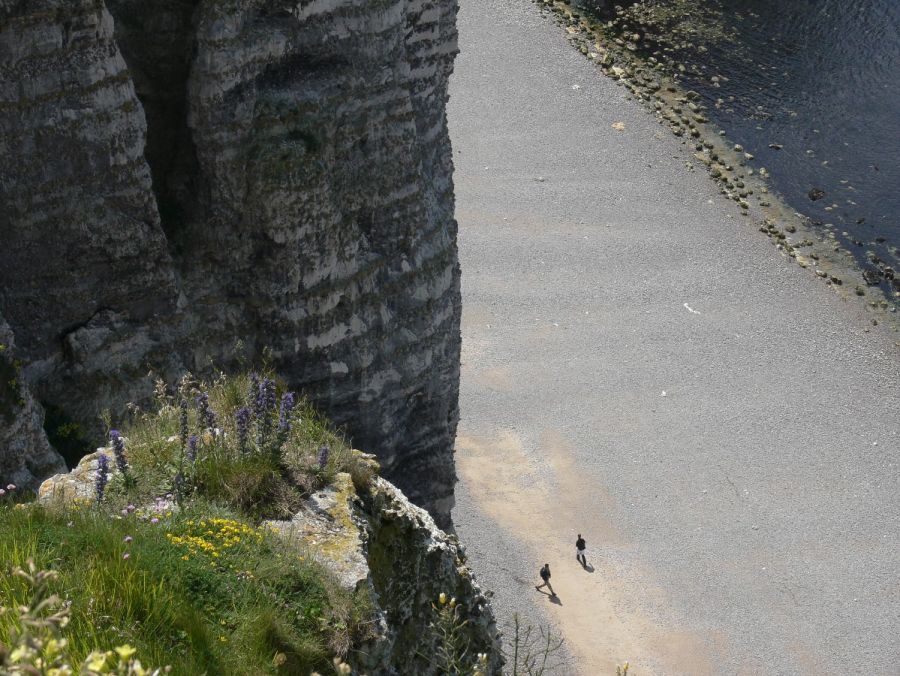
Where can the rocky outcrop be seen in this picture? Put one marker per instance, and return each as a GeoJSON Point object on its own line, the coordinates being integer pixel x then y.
{"type": "Point", "coordinates": [375, 541]}
{"type": "Point", "coordinates": [601, 7]}
{"type": "Point", "coordinates": [381, 542]}
{"type": "Point", "coordinates": [25, 453]}
{"type": "Point", "coordinates": [196, 181]}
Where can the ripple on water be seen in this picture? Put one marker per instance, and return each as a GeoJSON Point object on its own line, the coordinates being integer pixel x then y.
{"type": "Point", "coordinates": [819, 78]}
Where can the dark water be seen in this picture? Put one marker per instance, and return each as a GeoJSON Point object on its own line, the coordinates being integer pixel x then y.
{"type": "Point", "coordinates": [822, 79]}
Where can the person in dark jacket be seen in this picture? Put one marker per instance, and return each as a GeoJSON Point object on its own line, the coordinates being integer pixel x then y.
{"type": "Point", "coordinates": [545, 576]}
{"type": "Point", "coordinates": [580, 546]}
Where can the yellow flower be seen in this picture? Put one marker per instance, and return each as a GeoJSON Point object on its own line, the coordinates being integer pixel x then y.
{"type": "Point", "coordinates": [125, 651]}
{"type": "Point", "coordinates": [96, 661]}
{"type": "Point", "coordinates": [442, 599]}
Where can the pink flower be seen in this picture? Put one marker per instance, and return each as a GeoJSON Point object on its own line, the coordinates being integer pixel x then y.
{"type": "Point", "coordinates": [154, 520]}
{"type": "Point", "coordinates": [130, 508]}
{"type": "Point", "coordinates": [126, 556]}
{"type": "Point", "coordinates": [2, 492]}
{"type": "Point", "coordinates": [11, 487]}
{"type": "Point", "coordinates": [124, 512]}
{"type": "Point", "coordinates": [127, 539]}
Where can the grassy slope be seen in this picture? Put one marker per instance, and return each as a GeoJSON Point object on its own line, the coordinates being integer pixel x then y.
{"type": "Point", "coordinates": [201, 587]}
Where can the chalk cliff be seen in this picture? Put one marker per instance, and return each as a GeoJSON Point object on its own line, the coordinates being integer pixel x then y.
{"type": "Point", "coordinates": [195, 181]}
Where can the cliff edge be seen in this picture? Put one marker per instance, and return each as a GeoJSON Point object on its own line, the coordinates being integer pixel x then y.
{"type": "Point", "coordinates": [196, 181]}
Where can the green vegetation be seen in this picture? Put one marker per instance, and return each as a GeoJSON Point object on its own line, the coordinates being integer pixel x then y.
{"type": "Point", "coordinates": [169, 554]}
{"type": "Point", "coordinates": [202, 593]}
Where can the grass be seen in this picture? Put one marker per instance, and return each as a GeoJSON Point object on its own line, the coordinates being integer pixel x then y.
{"type": "Point", "coordinates": [268, 479]}
{"type": "Point", "coordinates": [221, 609]}
{"type": "Point", "coordinates": [175, 561]}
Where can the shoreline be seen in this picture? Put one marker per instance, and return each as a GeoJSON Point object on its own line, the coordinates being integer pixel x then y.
{"type": "Point", "coordinates": [678, 109]}
{"type": "Point", "coordinates": [637, 369]}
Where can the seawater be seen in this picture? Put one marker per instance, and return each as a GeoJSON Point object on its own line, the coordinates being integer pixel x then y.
{"type": "Point", "coordinates": [820, 81]}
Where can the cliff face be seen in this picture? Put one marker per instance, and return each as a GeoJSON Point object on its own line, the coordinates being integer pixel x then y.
{"type": "Point", "coordinates": [183, 175]}
{"type": "Point", "coordinates": [25, 453]}
{"type": "Point", "coordinates": [378, 541]}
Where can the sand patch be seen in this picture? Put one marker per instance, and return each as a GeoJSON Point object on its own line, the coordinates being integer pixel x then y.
{"type": "Point", "coordinates": [498, 379]}
{"type": "Point", "coordinates": [597, 615]}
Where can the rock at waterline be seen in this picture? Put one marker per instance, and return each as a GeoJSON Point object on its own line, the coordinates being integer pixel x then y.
{"type": "Point", "coordinates": [871, 276]}
{"type": "Point", "coordinates": [816, 194]}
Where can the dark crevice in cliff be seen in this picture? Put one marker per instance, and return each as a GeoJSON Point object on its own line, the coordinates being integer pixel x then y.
{"type": "Point", "coordinates": [292, 159]}
{"type": "Point", "coordinates": [68, 437]}
{"type": "Point", "coordinates": [157, 41]}
{"type": "Point", "coordinates": [290, 71]}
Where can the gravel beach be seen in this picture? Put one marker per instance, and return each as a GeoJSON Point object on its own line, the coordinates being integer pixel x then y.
{"type": "Point", "coordinates": [642, 366]}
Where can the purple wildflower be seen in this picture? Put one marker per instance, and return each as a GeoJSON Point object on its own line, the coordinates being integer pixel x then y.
{"type": "Point", "coordinates": [267, 391]}
{"type": "Point", "coordinates": [242, 419]}
{"type": "Point", "coordinates": [323, 456]}
{"type": "Point", "coordinates": [288, 402]}
{"type": "Point", "coordinates": [193, 442]}
{"type": "Point", "coordinates": [265, 406]}
{"type": "Point", "coordinates": [126, 556]}
{"type": "Point", "coordinates": [206, 414]}
{"type": "Point", "coordinates": [127, 539]}
{"type": "Point", "coordinates": [102, 476]}
{"type": "Point", "coordinates": [184, 422]}
{"type": "Point", "coordinates": [118, 444]}
{"type": "Point", "coordinates": [254, 399]}
{"type": "Point", "coordinates": [10, 487]}
{"type": "Point", "coordinates": [154, 520]}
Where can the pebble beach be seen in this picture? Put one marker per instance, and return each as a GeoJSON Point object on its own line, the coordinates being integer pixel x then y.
{"type": "Point", "coordinates": [643, 366]}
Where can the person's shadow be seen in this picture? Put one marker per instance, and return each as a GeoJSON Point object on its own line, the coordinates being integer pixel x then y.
{"type": "Point", "coordinates": [553, 597]}
{"type": "Point", "coordinates": [589, 567]}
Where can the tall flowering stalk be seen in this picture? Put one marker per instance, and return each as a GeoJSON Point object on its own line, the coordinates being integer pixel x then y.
{"type": "Point", "coordinates": [205, 414]}
{"type": "Point", "coordinates": [102, 477]}
{"type": "Point", "coordinates": [265, 407]}
{"type": "Point", "coordinates": [267, 390]}
{"type": "Point", "coordinates": [183, 431]}
{"type": "Point", "coordinates": [324, 451]}
{"type": "Point", "coordinates": [118, 446]}
{"type": "Point", "coordinates": [288, 401]}
{"type": "Point", "coordinates": [253, 398]}
{"type": "Point", "coordinates": [193, 443]}
{"type": "Point", "coordinates": [242, 421]}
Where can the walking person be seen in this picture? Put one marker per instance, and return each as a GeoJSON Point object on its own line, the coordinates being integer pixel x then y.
{"type": "Point", "coordinates": [580, 545]}
{"type": "Point", "coordinates": [545, 576]}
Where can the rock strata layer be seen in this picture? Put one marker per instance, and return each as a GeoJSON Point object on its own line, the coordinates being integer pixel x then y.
{"type": "Point", "coordinates": [193, 182]}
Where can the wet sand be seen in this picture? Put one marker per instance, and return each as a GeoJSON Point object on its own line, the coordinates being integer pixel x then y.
{"type": "Point", "coordinates": [641, 366]}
